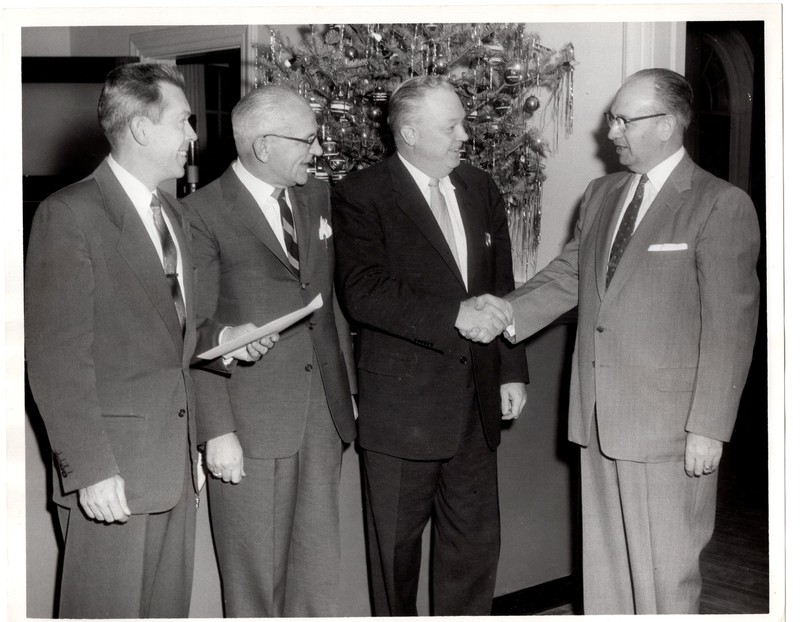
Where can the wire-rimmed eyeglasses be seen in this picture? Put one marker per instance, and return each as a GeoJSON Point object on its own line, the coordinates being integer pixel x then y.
{"type": "Point", "coordinates": [613, 120]}
{"type": "Point", "coordinates": [308, 141]}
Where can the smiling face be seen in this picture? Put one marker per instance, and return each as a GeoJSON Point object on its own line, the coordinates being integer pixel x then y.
{"type": "Point", "coordinates": [170, 136]}
{"type": "Point", "coordinates": [432, 138]}
{"type": "Point", "coordinates": [647, 142]}
{"type": "Point", "coordinates": [287, 161]}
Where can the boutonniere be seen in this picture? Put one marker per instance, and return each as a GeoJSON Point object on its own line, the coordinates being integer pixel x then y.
{"type": "Point", "coordinates": [325, 230]}
{"type": "Point", "coordinates": [487, 239]}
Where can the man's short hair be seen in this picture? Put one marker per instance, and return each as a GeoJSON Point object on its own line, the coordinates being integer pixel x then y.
{"type": "Point", "coordinates": [263, 110]}
{"type": "Point", "coordinates": [404, 102]}
{"type": "Point", "coordinates": [673, 93]}
{"type": "Point", "coordinates": [131, 91]}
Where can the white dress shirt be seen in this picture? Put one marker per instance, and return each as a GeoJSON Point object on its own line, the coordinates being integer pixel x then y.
{"type": "Point", "coordinates": [656, 178]}
{"type": "Point", "coordinates": [449, 193]}
{"type": "Point", "coordinates": [141, 197]}
{"type": "Point", "coordinates": [262, 193]}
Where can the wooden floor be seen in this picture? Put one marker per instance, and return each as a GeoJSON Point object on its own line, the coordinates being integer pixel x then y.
{"type": "Point", "coordinates": [735, 564]}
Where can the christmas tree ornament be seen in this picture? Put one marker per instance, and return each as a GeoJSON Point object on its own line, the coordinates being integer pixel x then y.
{"type": "Point", "coordinates": [432, 28]}
{"type": "Point", "coordinates": [440, 65]}
{"type": "Point", "coordinates": [351, 52]}
{"type": "Point", "coordinates": [379, 95]}
{"type": "Point", "coordinates": [341, 105]}
{"type": "Point", "coordinates": [375, 113]}
{"type": "Point", "coordinates": [330, 147]}
{"type": "Point", "coordinates": [502, 104]}
{"type": "Point", "coordinates": [338, 167]}
{"type": "Point", "coordinates": [513, 73]}
{"type": "Point", "coordinates": [531, 104]}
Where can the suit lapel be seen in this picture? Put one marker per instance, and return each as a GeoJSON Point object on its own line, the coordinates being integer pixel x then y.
{"type": "Point", "coordinates": [245, 208]}
{"type": "Point", "coordinates": [410, 200]}
{"type": "Point", "coordinates": [136, 248]}
{"type": "Point", "coordinates": [612, 207]}
{"type": "Point", "coordinates": [668, 200]}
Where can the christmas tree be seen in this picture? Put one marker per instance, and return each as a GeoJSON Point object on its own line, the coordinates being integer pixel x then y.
{"type": "Point", "coordinates": [512, 87]}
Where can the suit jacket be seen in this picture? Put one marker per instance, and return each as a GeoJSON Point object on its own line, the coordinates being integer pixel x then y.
{"type": "Point", "coordinates": [108, 363]}
{"type": "Point", "coordinates": [400, 283]}
{"type": "Point", "coordinates": [244, 276]}
{"type": "Point", "coordinates": [666, 349]}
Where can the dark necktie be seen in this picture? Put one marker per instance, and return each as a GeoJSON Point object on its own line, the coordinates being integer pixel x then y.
{"type": "Point", "coordinates": [170, 259]}
{"type": "Point", "coordinates": [626, 228]}
{"type": "Point", "coordinates": [289, 232]}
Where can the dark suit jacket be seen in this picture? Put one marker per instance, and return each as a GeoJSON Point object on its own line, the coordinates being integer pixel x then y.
{"type": "Point", "coordinates": [666, 349]}
{"type": "Point", "coordinates": [244, 276]}
{"type": "Point", "coordinates": [399, 282]}
{"type": "Point", "coordinates": [107, 361]}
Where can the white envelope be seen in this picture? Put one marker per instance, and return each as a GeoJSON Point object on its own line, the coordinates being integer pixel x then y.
{"type": "Point", "coordinates": [657, 248]}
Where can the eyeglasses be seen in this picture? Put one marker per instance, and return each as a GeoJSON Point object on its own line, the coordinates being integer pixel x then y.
{"type": "Point", "coordinates": [613, 120]}
{"type": "Point", "coordinates": [308, 141]}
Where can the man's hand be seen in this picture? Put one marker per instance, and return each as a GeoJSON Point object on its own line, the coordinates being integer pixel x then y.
{"type": "Point", "coordinates": [105, 501]}
{"type": "Point", "coordinates": [481, 319]}
{"type": "Point", "coordinates": [224, 458]}
{"type": "Point", "coordinates": [702, 455]}
{"type": "Point", "coordinates": [513, 396]}
{"type": "Point", "coordinates": [252, 351]}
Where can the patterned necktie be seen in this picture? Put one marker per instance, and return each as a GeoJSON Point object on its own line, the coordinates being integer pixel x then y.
{"type": "Point", "coordinates": [625, 231]}
{"type": "Point", "coordinates": [170, 259]}
{"type": "Point", "coordinates": [439, 209]}
{"type": "Point", "coordinates": [289, 233]}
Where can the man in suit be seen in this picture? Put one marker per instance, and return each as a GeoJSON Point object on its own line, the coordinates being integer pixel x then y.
{"type": "Point", "coordinates": [262, 247]}
{"type": "Point", "coordinates": [110, 332]}
{"type": "Point", "coordinates": [417, 235]}
{"type": "Point", "coordinates": [662, 267]}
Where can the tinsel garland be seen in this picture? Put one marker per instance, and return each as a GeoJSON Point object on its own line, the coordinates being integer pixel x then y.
{"type": "Point", "coordinates": [512, 87]}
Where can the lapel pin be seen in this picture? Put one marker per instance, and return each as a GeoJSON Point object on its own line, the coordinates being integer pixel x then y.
{"type": "Point", "coordinates": [488, 239]}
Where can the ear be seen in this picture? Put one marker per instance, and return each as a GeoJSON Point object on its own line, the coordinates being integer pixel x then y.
{"type": "Point", "coordinates": [139, 128]}
{"type": "Point", "coordinates": [409, 135]}
{"type": "Point", "coordinates": [667, 127]}
{"type": "Point", "coordinates": [261, 149]}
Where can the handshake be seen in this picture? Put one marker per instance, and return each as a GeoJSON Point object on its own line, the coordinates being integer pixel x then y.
{"type": "Point", "coordinates": [483, 318]}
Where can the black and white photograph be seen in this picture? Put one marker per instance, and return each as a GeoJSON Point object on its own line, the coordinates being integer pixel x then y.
{"type": "Point", "coordinates": [402, 310]}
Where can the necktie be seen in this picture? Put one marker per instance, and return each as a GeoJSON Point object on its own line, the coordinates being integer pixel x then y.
{"type": "Point", "coordinates": [625, 231]}
{"type": "Point", "coordinates": [170, 259]}
{"type": "Point", "coordinates": [289, 233]}
{"type": "Point", "coordinates": [439, 209]}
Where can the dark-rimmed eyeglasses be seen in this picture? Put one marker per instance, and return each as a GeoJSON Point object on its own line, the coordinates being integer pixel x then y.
{"type": "Point", "coordinates": [308, 141]}
{"type": "Point", "coordinates": [622, 122]}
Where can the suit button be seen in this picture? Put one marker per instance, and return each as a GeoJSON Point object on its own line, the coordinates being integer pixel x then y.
{"type": "Point", "coordinates": [303, 285]}
{"type": "Point", "coordinates": [63, 473]}
{"type": "Point", "coordinates": [600, 329]}
{"type": "Point", "coordinates": [463, 360]}
{"type": "Point", "coordinates": [182, 412]}
{"type": "Point", "coordinates": [310, 326]}
{"type": "Point", "coordinates": [309, 367]}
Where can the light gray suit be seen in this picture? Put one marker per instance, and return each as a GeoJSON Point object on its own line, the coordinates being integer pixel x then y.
{"type": "Point", "coordinates": [665, 350]}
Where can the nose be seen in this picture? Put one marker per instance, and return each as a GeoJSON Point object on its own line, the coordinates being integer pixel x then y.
{"type": "Point", "coordinates": [614, 131]}
{"type": "Point", "coordinates": [190, 134]}
{"type": "Point", "coordinates": [461, 133]}
{"type": "Point", "coordinates": [316, 149]}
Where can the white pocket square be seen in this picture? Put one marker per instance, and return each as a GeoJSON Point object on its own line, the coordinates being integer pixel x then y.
{"type": "Point", "coordinates": [657, 248]}
{"type": "Point", "coordinates": [325, 230]}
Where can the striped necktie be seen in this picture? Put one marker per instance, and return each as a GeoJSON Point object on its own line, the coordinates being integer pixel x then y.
{"type": "Point", "coordinates": [625, 231]}
{"type": "Point", "coordinates": [289, 232]}
{"type": "Point", "coordinates": [170, 252]}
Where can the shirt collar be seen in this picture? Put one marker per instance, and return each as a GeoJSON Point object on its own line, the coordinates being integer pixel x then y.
{"type": "Point", "coordinates": [261, 190]}
{"type": "Point", "coordinates": [659, 174]}
{"type": "Point", "coordinates": [137, 192]}
{"type": "Point", "coordinates": [421, 178]}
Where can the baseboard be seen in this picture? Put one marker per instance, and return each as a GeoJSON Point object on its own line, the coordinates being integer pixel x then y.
{"type": "Point", "coordinates": [536, 599]}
